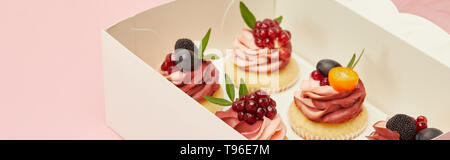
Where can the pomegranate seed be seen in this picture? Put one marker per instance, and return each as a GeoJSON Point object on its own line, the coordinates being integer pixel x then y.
{"type": "Point", "coordinates": [316, 75]}
{"type": "Point", "coordinates": [420, 126]}
{"type": "Point", "coordinates": [276, 22]}
{"type": "Point", "coordinates": [289, 33]}
{"type": "Point", "coordinates": [422, 119]}
{"type": "Point", "coordinates": [261, 94]}
{"type": "Point", "coordinates": [240, 106]}
{"type": "Point", "coordinates": [259, 42]}
{"type": "Point", "coordinates": [252, 97]}
{"type": "Point", "coordinates": [324, 82]}
{"type": "Point", "coordinates": [263, 102]}
{"type": "Point", "coordinates": [277, 30]}
{"type": "Point", "coordinates": [241, 116]}
{"type": "Point", "coordinates": [258, 24]}
{"type": "Point", "coordinates": [271, 112]}
{"type": "Point", "coordinates": [264, 26]}
{"type": "Point", "coordinates": [169, 58]}
{"type": "Point", "coordinates": [250, 118]}
{"type": "Point", "coordinates": [255, 33]}
{"type": "Point", "coordinates": [260, 112]}
{"type": "Point", "coordinates": [268, 22]}
{"type": "Point", "coordinates": [268, 43]}
{"type": "Point", "coordinates": [272, 103]}
{"type": "Point", "coordinates": [272, 33]}
{"type": "Point", "coordinates": [284, 54]}
{"type": "Point", "coordinates": [251, 106]}
{"type": "Point", "coordinates": [234, 106]}
{"type": "Point", "coordinates": [263, 33]}
{"type": "Point", "coordinates": [165, 66]}
{"type": "Point", "coordinates": [283, 38]}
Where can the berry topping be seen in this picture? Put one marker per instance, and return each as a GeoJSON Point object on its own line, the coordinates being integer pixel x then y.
{"type": "Point", "coordinates": [240, 107]}
{"type": "Point", "coordinates": [234, 105]}
{"type": "Point", "coordinates": [271, 112]}
{"type": "Point", "coordinates": [165, 66]}
{"type": "Point", "coordinates": [185, 43]}
{"type": "Point", "coordinates": [404, 125]}
{"type": "Point", "coordinates": [251, 106]}
{"type": "Point", "coordinates": [324, 82]}
{"type": "Point", "coordinates": [261, 94]}
{"type": "Point", "coordinates": [422, 119]}
{"type": "Point", "coordinates": [421, 126]}
{"type": "Point", "coordinates": [263, 102]}
{"type": "Point", "coordinates": [241, 116]}
{"type": "Point", "coordinates": [169, 65]}
{"type": "Point", "coordinates": [260, 113]}
{"type": "Point", "coordinates": [267, 33]}
{"type": "Point", "coordinates": [316, 75]}
{"type": "Point", "coordinates": [428, 134]}
{"type": "Point", "coordinates": [272, 102]}
{"type": "Point", "coordinates": [343, 79]}
{"type": "Point", "coordinates": [325, 65]}
{"type": "Point", "coordinates": [255, 105]}
{"type": "Point", "coordinates": [250, 118]}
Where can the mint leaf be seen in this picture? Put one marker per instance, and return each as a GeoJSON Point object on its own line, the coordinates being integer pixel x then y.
{"type": "Point", "coordinates": [229, 87]}
{"type": "Point", "coordinates": [205, 41]}
{"type": "Point", "coordinates": [350, 64]}
{"type": "Point", "coordinates": [279, 19]}
{"type": "Point", "coordinates": [248, 16]}
{"type": "Point", "coordinates": [360, 55]}
{"type": "Point", "coordinates": [242, 88]}
{"type": "Point", "coordinates": [218, 101]}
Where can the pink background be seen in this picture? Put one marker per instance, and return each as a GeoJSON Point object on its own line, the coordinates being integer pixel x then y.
{"type": "Point", "coordinates": [51, 84]}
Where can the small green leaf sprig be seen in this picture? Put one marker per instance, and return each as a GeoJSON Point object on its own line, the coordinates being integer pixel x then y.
{"type": "Point", "coordinates": [202, 48]}
{"type": "Point", "coordinates": [352, 64]}
{"type": "Point", "coordinates": [229, 87]}
{"type": "Point", "coordinates": [249, 17]}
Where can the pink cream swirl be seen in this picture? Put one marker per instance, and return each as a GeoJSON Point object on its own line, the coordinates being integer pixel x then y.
{"type": "Point", "coordinates": [326, 105]}
{"type": "Point", "coordinates": [265, 129]}
{"type": "Point", "coordinates": [383, 133]}
{"type": "Point", "coordinates": [251, 58]}
{"type": "Point", "coordinates": [198, 83]}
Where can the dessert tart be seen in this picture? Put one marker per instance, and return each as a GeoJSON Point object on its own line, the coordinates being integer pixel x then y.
{"type": "Point", "coordinates": [262, 55]}
{"type": "Point", "coordinates": [253, 115]}
{"type": "Point", "coordinates": [404, 127]}
{"type": "Point", "coordinates": [329, 106]}
{"type": "Point", "coordinates": [192, 72]}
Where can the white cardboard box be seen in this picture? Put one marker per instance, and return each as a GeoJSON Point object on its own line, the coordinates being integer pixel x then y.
{"type": "Point", "coordinates": [400, 74]}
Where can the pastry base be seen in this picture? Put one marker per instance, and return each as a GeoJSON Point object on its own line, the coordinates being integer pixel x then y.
{"type": "Point", "coordinates": [270, 82]}
{"type": "Point", "coordinates": [213, 108]}
{"type": "Point", "coordinates": [310, 130]}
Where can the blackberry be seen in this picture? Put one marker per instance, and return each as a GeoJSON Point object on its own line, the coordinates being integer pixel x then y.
{"type": "Point", "coordinates": [404, 125]}
{"type": "Point", "coordinates": [185, 43]}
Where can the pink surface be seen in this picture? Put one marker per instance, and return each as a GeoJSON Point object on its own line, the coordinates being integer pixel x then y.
{"type": "Point", "coordinates": [51, 84]}
{"type": "Point", "coordinates": [437, 11]}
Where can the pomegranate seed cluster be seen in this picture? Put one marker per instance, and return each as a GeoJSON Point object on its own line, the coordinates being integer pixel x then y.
{"type": "Point", "coordinates": [253, 107]}
{"type": "Point", "coordinates": [169, 65]}
{"type": "Point", "coordinates": [268, 32]}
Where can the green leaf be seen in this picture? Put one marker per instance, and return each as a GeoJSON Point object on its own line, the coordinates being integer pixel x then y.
{"type": "Point", "coordinates": [247, 15]}
{"type": "Point", "coordinates": [350, 64]}
{"type": "Point", "coordinates": [205, 41]}
{"type": "Point", "coordinates": [360, 55]}
{"type": "Point", "coordinates": [242, 88]}
{"type": "Point", "coordinates": [229, 87]}
{"type": "Point", "coordinates": [218, 101]}
{"type": "Point", "coordinates": [279, 19]}
{"type": "Point", "coordinates": [211, 56]}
